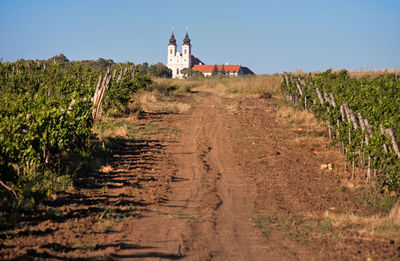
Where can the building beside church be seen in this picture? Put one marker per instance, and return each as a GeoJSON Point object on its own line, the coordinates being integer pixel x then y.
{"type": "Point", "coordinates": [178, 61]}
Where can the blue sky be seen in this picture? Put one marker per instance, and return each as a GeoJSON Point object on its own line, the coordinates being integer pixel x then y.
{"type": "Point", "coordinates": [267, 36]}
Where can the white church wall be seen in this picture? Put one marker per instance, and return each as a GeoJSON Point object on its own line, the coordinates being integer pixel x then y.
{"type": "Point", "coordinates": [178, 61]}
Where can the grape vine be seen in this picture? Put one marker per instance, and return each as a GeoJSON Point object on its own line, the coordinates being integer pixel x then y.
{"type": "Point", "coordinates": [362, 116]}
{"type": "Point", "coordinates": [46, 113]}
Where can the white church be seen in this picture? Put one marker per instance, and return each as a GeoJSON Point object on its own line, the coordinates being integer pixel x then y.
{"type": "Point", "coordinates": [178, 61]}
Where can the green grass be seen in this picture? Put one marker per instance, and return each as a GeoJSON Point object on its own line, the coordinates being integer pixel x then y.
{"type": "Point", "coordinates": [263, 223]}
{"type": "Point", "coordinates": [172, 86]}
{"type": "Point", "coordinates": [294, 226]}
{"type": "Point", "coordinates": [325, 226]}
{"type": "Point", "coordinates": [127, 129]}
{"type": "Point", "coordinates": [376, 200]}
{"type": "Point", "coordinates": [389, 230]}
{"type": "Point", "coordinates": [130, 129]}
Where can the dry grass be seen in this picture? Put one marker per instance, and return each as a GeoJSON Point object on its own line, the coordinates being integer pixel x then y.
{"type": "Point", "coordinates": [386, 226]}
{"type": "Point", "coordinates": [113, 133]}
{"type": "Point", "coordinates": [372, 74]}
{"type": "Point", "coordinates": [307, 128]}
{"type": "Point", "coordinates": [164, 96]}
{"type": "Point", "coordinates": [106, 169]}
{"type": "Point", "coordinates": [112, 128]}
{"type": "Point", "coordinates": [297, 117]}
{"type": "Point", "coordinates": [233, 108]}
{"type": "Point", "coordinates": [156, 102]}
{"type": "Point", "coordinates": [255, 85]}
{"type": "Point", "coordinates": [173, 86]}
{"type": "Point", "coordinates": [244, 86]}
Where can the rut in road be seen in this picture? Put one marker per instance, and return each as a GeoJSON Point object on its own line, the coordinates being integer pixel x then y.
{"type": "Point", "coordinates": [207, 214]}
{"type": "Point", "coordinates": [225, 195]}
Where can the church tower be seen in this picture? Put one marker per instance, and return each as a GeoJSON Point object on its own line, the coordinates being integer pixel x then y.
{"type": "Point", "coordinates": [186, 52]}
{"type": "Point", "coordinates": [178, 61]}
{"type": "Point", "coordinates": [171, 51]}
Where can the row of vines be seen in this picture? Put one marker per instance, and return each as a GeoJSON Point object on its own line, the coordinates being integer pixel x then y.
{"type": "Point", "coordinates": [362, 117]}
{"type": "Point", "coordinates": [47, 111]}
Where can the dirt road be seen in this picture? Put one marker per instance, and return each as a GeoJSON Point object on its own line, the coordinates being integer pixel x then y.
{"type": "Point", "coordinates": [208, 211]}
{"type": "Point", "coordinates": [250, 187]}
{"type": "Point", "coordinates": [239, 183]}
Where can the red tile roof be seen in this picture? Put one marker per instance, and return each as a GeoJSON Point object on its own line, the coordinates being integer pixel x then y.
{"type": "Point", "coordinates": [208, 68]}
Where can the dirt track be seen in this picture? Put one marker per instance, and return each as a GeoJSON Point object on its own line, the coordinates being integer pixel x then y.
{"type": "Point", "coordinates": [207, 214]}
{"type": "Point", "coordinates": [235, 165]}
{"type": "Point", "coordinates": [238, 184]}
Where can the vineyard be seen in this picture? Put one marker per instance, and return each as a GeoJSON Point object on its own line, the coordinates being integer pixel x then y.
{"type": "Point", "coordinates": [47, 112]}
{"type": "Point", "coordinates": [362, 116]}
{"type": "Point", "coordinates": [106, 162]}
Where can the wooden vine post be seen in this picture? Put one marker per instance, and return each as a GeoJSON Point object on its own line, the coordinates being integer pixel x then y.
{"type": "Point", "coordinates": [351, 119]}
{"type": "Point", "coordinates": [10, 190]}
{"type": "Point", "coordinates": [102, 86]}
{"type": "Point", "coordinates": [390, 133]}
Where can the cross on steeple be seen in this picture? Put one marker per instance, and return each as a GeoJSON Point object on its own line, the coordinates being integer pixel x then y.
{"type": "Point", "coordinates": [172, 40]}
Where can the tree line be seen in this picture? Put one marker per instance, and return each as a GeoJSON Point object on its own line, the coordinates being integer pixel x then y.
{"type": "Point", "coordinates": [158, 70]}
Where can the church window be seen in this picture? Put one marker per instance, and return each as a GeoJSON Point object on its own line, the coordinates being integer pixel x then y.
{"type": "Point", "coordinates": [177, 71]}
{"type": "Point", "coordinates": [170, 51]}
{"type": "Point", "coordinates": [185, 51]}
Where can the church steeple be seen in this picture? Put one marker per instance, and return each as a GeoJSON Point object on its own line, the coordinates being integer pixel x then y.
{"type": "Point", "coordinates": [172, 40]}
{"type": "Point", "coordinates": [186, 51]}
{"type": "Point", "coordinates": [186, 41]}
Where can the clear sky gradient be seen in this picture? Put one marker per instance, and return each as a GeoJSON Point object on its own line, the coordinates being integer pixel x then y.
{"type": "Point", "coordinates": [266, 36]}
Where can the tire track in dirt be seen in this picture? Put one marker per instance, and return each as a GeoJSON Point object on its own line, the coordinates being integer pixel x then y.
{"type": "Point", "coordinates": [226, 195]}
{"type": "Point", "coordinates": [207, 214]}
{"type": "Point", "coordinates": [165, 227]}
{"type": "Point", "coordinates": [185, 225]}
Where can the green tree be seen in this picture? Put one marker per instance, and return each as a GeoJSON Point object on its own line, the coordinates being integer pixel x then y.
{"type": "Point", "coordinates": [214, 70]}
{"type": "Point", "coordinates": [192, 74]}
{"type": "Point", "coordinates": [222, 70]}
{"type": "Point", "coordinates": [99, 64]}
{"type": "Point", "coordinates": [159, 70]}
{"type": "Point", "coordinates": [143, 68]}
{"type": "Point", "coordinates": [61, 58]}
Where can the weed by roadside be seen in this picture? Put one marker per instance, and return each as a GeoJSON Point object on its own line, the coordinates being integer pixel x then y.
{"type": "Point", "coordinates": [300, 119]}
{"type": "Point", "coordinates": [386, 226]}
{"type": "Point", "coordinates": [262, 221]}
{"type": "Point", "coordinates": [295, 226]}
{"type": "Point", "coordinates": [115, 128]}
{"type": "Point", "coordinates": [379, 201]}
